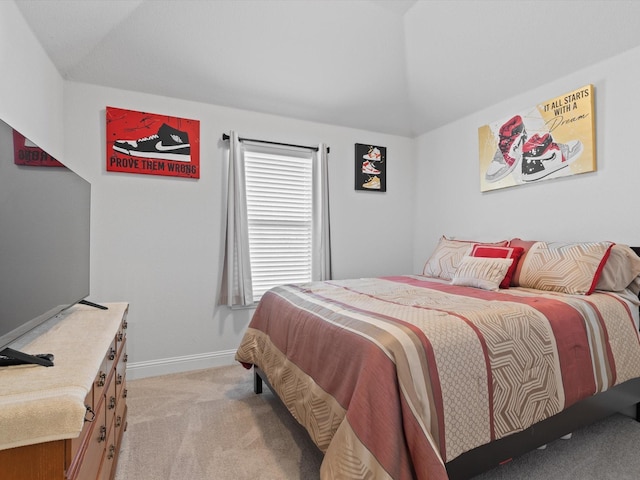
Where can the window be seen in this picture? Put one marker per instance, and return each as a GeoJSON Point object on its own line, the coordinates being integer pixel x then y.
{"type": "Point", "coordinates": [277, 218]}
{"type": "Point", "coordinates": [279, 192]}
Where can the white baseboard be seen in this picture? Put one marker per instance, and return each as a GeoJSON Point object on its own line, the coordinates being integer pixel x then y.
{"type": "Point", "coordinates": [165, 366]}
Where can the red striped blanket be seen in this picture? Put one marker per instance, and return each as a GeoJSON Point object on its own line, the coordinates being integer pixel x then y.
{"type": "Point", "coordinates": [394, 376]}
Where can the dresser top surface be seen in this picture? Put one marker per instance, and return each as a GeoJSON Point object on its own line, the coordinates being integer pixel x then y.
{"type": "Point", "coordinates": [39, 404]}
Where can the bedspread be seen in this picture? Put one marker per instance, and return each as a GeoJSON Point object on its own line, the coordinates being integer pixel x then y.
{"type": "Point", "coordinates": [392, 377]}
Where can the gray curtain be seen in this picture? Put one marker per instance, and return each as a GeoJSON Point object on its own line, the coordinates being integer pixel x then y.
{"type": "Point", "coordinates": [321, 266]}
{"type": "Point", "coordinates": [236, 278]}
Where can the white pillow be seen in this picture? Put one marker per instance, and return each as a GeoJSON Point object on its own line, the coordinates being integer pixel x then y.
{"type": "Point", "coordinates": [444, 260]}
{"type": "Point", "coordinates": [481, 272]}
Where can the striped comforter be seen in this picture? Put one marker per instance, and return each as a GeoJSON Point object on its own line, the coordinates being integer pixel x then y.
{"type": "Point", "coordinates": [394, 376]}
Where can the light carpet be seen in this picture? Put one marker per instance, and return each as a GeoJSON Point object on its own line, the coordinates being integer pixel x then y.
{"type": "Point", "coordinates": [208, 424]}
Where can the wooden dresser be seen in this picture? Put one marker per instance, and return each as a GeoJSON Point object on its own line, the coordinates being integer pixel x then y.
{"type": "Point", "coordinates": [87, 392]}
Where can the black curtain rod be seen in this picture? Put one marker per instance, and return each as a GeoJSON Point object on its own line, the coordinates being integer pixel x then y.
{"type": "Point", "coordinates": [315, 149]}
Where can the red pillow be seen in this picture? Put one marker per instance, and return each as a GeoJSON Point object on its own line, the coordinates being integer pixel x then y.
{"type": "Point", "coordinates": [526, 244]}
{"type": "Point", "coordinates": [500, 252]}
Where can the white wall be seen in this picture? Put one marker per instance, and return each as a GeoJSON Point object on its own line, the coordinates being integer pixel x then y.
{"type": "Point", "coordinates": [157, 241]}
{"type": "Point", "coordinates": [30, 86]}
{"type": "Point", "coordinates": [601, 205]}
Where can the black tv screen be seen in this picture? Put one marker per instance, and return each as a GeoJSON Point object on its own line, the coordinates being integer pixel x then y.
{"type": "Point", "coordinates": [44, 236]}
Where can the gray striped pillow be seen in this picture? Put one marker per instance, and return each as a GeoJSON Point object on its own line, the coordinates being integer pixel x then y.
{"type": "Point", "coordinates": [481, 272]}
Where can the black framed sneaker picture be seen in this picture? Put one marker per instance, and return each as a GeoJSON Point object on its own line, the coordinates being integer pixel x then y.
{"type": "Point", "coordinates": [371, 167]}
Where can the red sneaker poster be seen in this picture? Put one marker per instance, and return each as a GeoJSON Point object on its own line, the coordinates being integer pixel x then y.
{"type": "Point", "coordinates": [553, 139]}
{"type": "Point", "coordinates": [152, 144]}
{"type": "Point", "coordinates": [25, 152]}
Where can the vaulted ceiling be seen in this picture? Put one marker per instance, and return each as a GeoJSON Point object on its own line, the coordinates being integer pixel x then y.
{"type": "Point", "coordinates": [393, 66]}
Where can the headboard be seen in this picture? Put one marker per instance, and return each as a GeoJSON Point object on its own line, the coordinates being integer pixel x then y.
{"type": "Point", "coordinates": [637, 250]}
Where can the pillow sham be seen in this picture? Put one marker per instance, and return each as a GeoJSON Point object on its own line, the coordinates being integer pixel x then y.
{"type": "Point", "coordinates": [447, 255]}
{"type": "Point", "coordinates": [481, 272]}
{"type": "Point", "coordinates": [622, 267]}
{"type": "Point", "coordinates": [564, 267]}
{"type": "Point", "coordinates": [500, 252]}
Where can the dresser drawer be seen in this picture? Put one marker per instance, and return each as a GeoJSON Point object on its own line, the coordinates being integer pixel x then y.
{"type": "Point", "coordinates": [89, 418]}
{"type": "Point", "coordinates": [121, 413]}
{"type": "Point", "coordinates": [121, 368]}
{"type": "Point", "coordinates": [89, 464]}
{"type": "Point", "coordinates": [100, 382]}
{"type": "Point", "coordinates": [111, 452]}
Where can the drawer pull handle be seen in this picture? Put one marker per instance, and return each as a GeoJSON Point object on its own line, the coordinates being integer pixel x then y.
{"type": "Point", "coordinates": [118, 421]}
{"type": "Point", "coordinates": [120, 336]}
{"type": "Point", "coordinates": [112, 354]}
{"type": "Point", "coordinates": [125, 325]}
{"type": "Point", "coordinates": [112, 403]}
{"type": "Point", "coordinates": [103, 434]}
{"type": "Point", "coordinates": [119, 379]}
{"type": "Point", "coordinates": [112, 452]}
{"type": "Point", "coordinates": [102, 379]}
{"type": "Point", "coordinates": [126, 358]}
{"type": "Point", "coordinates": [124, 393]}
{"type": "Point", "coordinates": [89, 412]}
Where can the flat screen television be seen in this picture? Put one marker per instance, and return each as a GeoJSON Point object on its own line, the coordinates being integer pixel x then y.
{"type": "Point", "coordinates": [44, 241]}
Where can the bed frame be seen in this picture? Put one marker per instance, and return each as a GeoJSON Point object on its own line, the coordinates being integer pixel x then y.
{"type": "Point", "coordinates": [623, 397]}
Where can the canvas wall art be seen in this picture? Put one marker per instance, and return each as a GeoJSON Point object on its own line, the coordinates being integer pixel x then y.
{"type": "Point", "coordinates": [26, 152]}
{"type": "Point", "coordinates": [371, 167]}
{"type": "Point", "coordinates": [152, 144]}
{"type": "Point", "coordinates": [554, 139]}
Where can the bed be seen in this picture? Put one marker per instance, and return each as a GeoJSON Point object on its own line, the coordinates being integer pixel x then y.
{"type": "Point", "coordinates": [450, 373]}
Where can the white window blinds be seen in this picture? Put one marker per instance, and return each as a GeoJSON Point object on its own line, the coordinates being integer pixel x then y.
{"type": "Point", "coordinates": [279, 192]}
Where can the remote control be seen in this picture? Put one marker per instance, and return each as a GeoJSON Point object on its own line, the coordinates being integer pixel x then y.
{"type": "Point", "coordinates": [8, 361]}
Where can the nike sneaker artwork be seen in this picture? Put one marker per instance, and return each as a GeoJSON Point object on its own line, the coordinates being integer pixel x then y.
{"type": "Point", "coordinates": [168, 144]}
{"type": "Point", "coordinates": [541, 156]}
{"type": "Point", "coordinates": [28, 153]}
{"type": "Point", "coordinates": [370, 171]}
{"type": "Point", "coordinates": [140, 142]}
{"type": "Point", "coordinates": [551, 140]}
